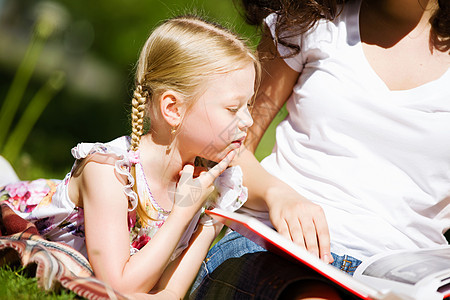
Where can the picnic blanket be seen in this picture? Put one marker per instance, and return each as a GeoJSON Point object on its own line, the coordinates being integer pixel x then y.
{"type": "Point", "coordinates": [55, 265]}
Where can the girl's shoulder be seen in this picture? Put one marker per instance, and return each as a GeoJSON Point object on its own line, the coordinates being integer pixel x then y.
{"type": "Point", "coordinates": [114, 152]}
{"type": "Point", "coordinates": [107, 161]}
{"type": "Point", "coordinates": [117, 148]}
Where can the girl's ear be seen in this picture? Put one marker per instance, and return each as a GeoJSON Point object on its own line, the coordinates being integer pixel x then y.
{"type": "Point", "coordinates": [171, 107]}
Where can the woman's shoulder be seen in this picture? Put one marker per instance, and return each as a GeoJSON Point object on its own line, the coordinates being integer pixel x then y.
{"type": "Point", "coordinates": [342, 30]}
{"type": "Point", "coordinates": [324, 39]}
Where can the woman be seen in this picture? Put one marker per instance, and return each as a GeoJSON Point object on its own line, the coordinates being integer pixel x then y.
{"type": "Point", "coordinates": [363, 159]}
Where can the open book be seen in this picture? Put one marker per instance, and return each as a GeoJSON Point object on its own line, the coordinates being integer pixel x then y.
{"type": "Point", "coordinates": [414, 275]}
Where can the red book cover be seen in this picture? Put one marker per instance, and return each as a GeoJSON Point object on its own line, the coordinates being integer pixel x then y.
{"type": "Point", "coordinates": [271, 240]}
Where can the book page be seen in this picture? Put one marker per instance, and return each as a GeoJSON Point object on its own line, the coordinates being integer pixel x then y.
{"type": "Point", "coordinates": [410, 267]}
{"type": "Point", "coordinates": [424, 272]}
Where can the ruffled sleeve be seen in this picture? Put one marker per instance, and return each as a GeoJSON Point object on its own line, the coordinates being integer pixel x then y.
{"type": "Point", "coordinates": [118, 148]}
{"type": "Point", "coordinates": [231, 193]}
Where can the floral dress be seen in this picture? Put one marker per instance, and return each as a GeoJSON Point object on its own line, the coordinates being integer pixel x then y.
{"type": "Point", "coordinates": [46, 203]}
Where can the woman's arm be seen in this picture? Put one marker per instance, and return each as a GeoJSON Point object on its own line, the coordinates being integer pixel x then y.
{"type": "Point", "coordinates": [293, 216]}
{"type": "Point", "coordinates": [277, 82]}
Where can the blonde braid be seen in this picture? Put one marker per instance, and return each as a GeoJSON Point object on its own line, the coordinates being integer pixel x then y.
{"type": "Point", "coordinates": [137, 122]}
{"type": "Point", "coordinates": [137, 116]}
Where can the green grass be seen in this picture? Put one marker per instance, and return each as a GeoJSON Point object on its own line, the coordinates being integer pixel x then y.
{"type": "Point", "coordinates": [16, 284]}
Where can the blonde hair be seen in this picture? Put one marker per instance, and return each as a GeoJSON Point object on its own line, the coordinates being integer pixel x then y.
{"type": "Point", "coordinates": [179, 55]}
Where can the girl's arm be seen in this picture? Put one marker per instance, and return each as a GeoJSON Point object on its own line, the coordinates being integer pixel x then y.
{"type": "Point", "coordinates": [107, 235]}
{"type": "Point", "coordinates": [180, 274]}
{"type": "Point", "coordinates": [293, 216]}
{"type": "Point", "coordinates": [100, 190]}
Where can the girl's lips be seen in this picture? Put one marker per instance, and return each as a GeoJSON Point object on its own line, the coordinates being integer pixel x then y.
{"type": "Point", "coordinates": [239, 141]}
{"type": "Point", "coordinates": [237, 144]}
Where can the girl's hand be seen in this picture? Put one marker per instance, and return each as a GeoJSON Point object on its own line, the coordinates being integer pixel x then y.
{"type": "Point", "coordinates": [192, 192]}
{"type": "Point", "coordinates": [301, 221]}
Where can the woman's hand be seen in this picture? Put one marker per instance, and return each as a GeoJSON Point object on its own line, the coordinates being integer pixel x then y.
{"type": "Point", "coordinates": [299, 220]}
{"type": "Point", "coordinates": [292, 215]}
{"type": "Point", "coordinates": [192, 191]}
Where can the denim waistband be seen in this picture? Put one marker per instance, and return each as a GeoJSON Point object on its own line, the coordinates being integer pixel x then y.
{"type": "Point", "coordinates": [345, 263]}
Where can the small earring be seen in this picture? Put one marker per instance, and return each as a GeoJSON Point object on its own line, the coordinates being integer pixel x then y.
{"type": "Point", "coordinates": [173, 130]}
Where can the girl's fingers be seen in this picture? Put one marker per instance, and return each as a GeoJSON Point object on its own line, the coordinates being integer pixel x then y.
{"type": "Point", "coordinates": [220, 167]}
{"type": "Point", "coordinates": [186, 173]}
{"type": "Point", "coordinates": [192, 190]}
{"type": "Point", "coordinates": [198, 170]}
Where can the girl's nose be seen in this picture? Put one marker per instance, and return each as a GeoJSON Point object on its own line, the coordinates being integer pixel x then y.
{"type": "Point", "coordinates": [245, 120]}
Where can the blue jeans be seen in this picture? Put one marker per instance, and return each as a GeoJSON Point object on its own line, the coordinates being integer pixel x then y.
{"type": "Point", "coordinates": [251, 272]}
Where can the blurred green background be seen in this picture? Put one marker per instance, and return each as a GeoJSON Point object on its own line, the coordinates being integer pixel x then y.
{"type": "Point", "coordinates": [67, 67]}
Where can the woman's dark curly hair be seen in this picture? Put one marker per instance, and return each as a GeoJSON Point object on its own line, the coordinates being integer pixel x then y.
{"type": "Point", "coordinates": [440, 23]}
{"type": "Point", "coordinates": [298, 16]}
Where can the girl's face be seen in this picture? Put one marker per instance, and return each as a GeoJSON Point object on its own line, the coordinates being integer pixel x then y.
{"type": "Point", "coordinates": [218, 121]}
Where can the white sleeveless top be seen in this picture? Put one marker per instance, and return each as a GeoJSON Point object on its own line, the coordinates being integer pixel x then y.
{"type": "Point", "coordinates": [377, 161]}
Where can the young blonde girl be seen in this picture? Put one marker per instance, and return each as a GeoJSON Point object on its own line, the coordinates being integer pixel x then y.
{"type": "Point", "coordinates": [133, 205]}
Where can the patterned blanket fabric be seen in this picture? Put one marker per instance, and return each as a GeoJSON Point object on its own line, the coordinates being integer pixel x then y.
{"type": "Point", "coordinates": [55, 265]}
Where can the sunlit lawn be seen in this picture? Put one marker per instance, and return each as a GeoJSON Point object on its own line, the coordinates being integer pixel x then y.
{"type": "Point", "coordinates": [14, 284]}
